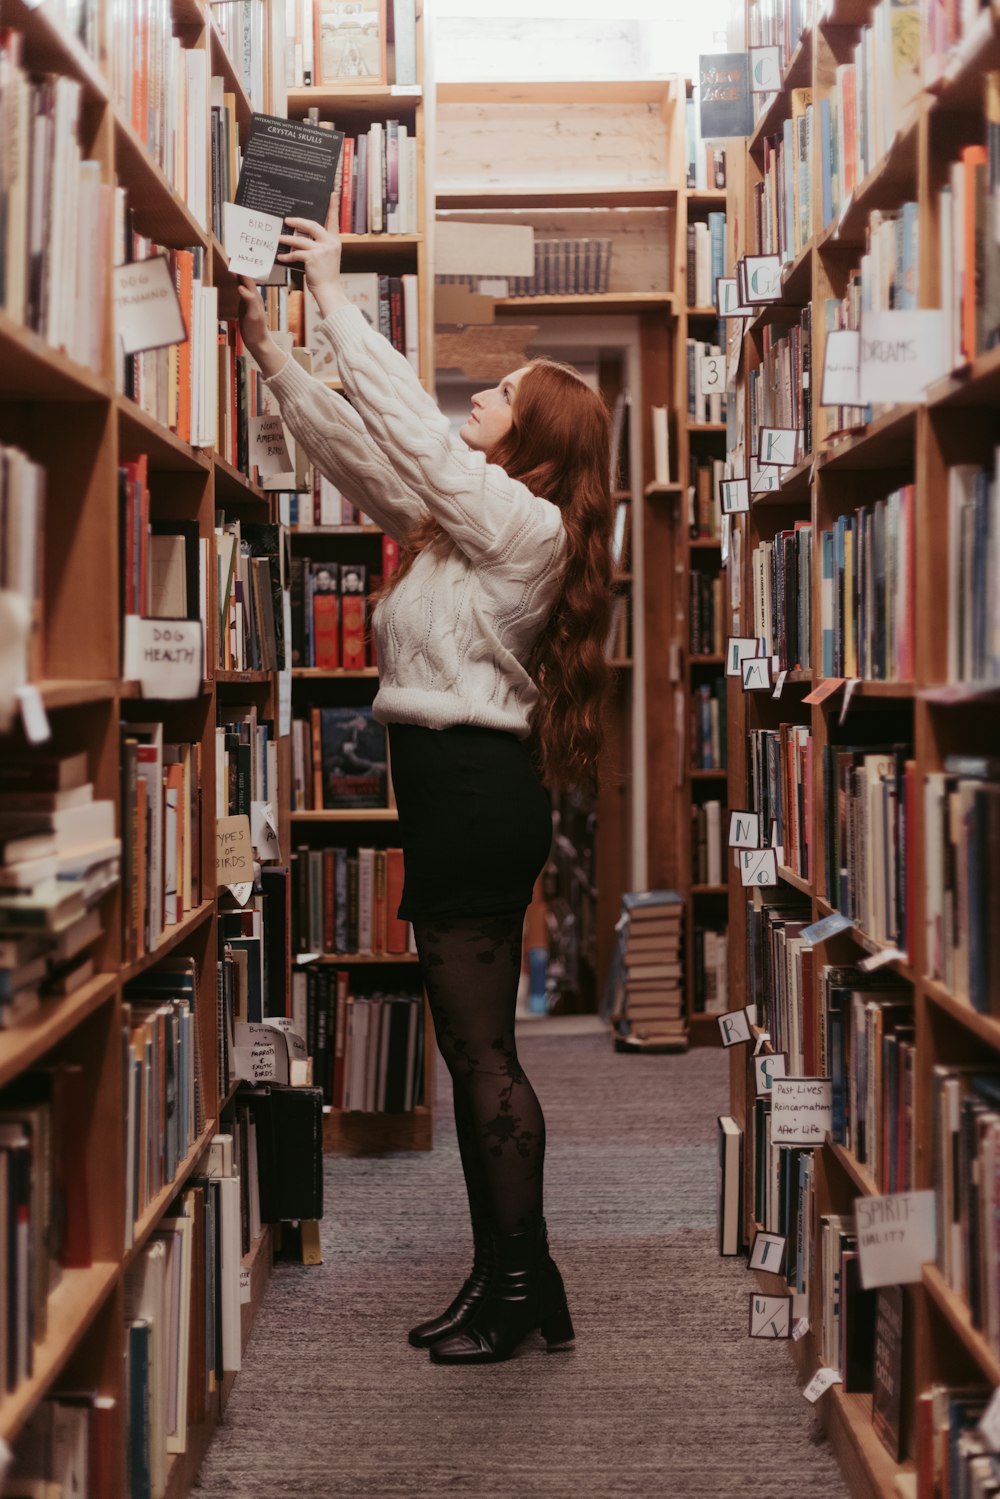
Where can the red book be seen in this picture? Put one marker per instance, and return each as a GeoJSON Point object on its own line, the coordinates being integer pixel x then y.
{"type": "Point", "coordinates": [354, 631]}
{"type": "Point", "coordinates": [339, 1034]}
{"type": "Point", "coordinates": [347, 178]}
{"type": "Point", "coordinates": [396, 930]}
{"type": "Point", "coordinates": [390, 555]}
{"type": "Point", "coordinates": [325, 642]}
{"type": "Point", "coordinates": [317, 759]}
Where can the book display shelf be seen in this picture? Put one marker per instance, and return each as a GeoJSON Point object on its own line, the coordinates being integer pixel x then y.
{"type": "Point", "coordinates": [348, 541]}
{"type": "Point", "coordinates": [695, 664]}
{"type": "Point", "coordinates": [877, 755]}
{"type": "Point", "coordinates": [500, 161]}
{"type": "Point", "coordinates": [72, 421]}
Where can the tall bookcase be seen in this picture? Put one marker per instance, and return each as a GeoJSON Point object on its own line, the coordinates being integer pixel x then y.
{"type": "Point", "coordinates": [501, 161]}
{"type": "Point", "coordinates": [905, 444]}
{"type": "Point", "coordinates": [353, 108]}
{"type": "Point", "coordinates": [73, 422]}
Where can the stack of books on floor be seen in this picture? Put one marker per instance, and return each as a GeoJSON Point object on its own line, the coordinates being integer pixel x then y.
{"type": "Point", "coordinates": [646, 974]}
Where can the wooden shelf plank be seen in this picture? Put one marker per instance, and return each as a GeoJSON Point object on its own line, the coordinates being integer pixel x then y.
{"type": "Point", "coordinates": [870, 944]}
{"type": "Point", "coordinates": [544, 196]}
{"type": "Point", "coordinates": [138, 432]}
{"type": "Point", "coordinates": [233, 486]}
{"type": "Point", "coordinates": [22, 1045]}
{"type": "Point", "coordinates": [64, 692]}
{"type": "Point", "coordinates": [243, 678]}
{"type": "Point", "coordinates": [555, 91]}
{"type": "Point", "coordinates": [696, 427]}
{"type": "Point", "coordinates": [706, 197]}
{"type": "Point", "coordinates": [341, 98]}
{"type": "Point", "coordinates": [795, 880]}
{"type": "Point", "coordinates": [715, 774]}
{"type": "Point", "coordinates": [797, 74]}
{"type": "Point", "coordinates": [50, 48]}
{"type": "Point", "coordinates": [160, 212]}
{"type": "Point", "coordinates": [333, 673]}
{"type": "Point", "coordinates": [702, 312]}
{"type": "Point", "coordinates": [334, 530]}
{"type": "Point", "coordinates": [891, 182]}
{"type": "Point", "coordinates": [172, 938]}
{"type": "Point", "coordinates": [352, 960]}
{"type": "Point", "coordinates": [986, 1027]}
{"type": "Point", "coordinates": [356, 1133]}
{"type": "Point", "coordinates": [887, 442]}
{"type": "Point", "coordinates": [705, 543]}
{"type": "Point", "coordinates": [72, 1307]}
{"type": "Point", "coordinates": [31, 368]}
{"type": "Point", "coordinates": [223, 67]}
{"type": "Point", "coordinates": [956, 1313]}
{"type": "Point", "coordinates": [706, 661]}
{"type": "Point", "coordinates": [860, 1175]}
{"type": "Point", "coordinates": [599, 301]}
{"type": "Point", "coordinates": [709, 889]}
{"type": "Point", "coordinates": [656, 487]}
{"type": "Point", "coordinates": [348, 814]}
{"type": "Point", "coordinates": [155, 1210]}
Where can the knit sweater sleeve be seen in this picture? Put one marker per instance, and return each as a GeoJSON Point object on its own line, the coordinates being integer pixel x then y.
{"type": "Point", "coordinates": [334, 436]}
{"type": "Point", "coordinates": [494, 519]}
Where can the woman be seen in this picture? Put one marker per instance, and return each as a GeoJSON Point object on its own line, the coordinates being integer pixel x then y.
{"type": "Point", "coordinates": [490, 641]}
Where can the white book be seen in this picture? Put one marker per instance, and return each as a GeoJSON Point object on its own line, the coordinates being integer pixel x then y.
{"type": "Point", "coordinates": [146, 1296]}
{"type": "Point", "coordinates": [376, 204]}
{"type": "Point", "coordinates": [411, 320]}
{"type": "Point", "coordinates": [405, 32]}
{"type": "Point", "coordinates": [661, 444]}
{"type": "Point", "coordinates": [177, 1233]}
{"type": "Point", "coordinates": [366, 899]}
{"type": "Point", "coordinates": [229, 1207]}
{"type": "Point", "coordinates": [412, 211]}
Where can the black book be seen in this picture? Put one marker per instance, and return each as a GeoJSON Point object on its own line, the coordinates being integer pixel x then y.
{"type": "Point", "coordinates": [276, 885]}
{"type": "Point", "coordinates": [289, 170]}
{"type": "Point", "coordinates": [289, 1151]}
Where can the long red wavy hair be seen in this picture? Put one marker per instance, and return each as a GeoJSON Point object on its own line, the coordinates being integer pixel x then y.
{"type": "Point", "coordinates": [558, 445]}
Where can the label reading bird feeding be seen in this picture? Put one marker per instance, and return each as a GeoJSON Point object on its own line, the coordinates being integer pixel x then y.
{"type": "Point", "coordinates": [250, 239]}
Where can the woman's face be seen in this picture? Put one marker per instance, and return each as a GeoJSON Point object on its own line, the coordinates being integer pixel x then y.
{"type": "Point", "coordinates": [491, 413]}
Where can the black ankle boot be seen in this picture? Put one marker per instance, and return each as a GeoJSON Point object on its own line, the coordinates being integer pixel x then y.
{"type": "Point", "coordinates": [471, 1294]}
{"type": "Point", "coordinates": [526, 1293]}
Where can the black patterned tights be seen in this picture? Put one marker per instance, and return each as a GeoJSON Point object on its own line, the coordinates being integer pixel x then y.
{"type": "Point", "coordinates": [471, 966]}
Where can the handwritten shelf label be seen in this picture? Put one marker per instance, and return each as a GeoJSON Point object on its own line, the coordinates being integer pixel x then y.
{"type": "Point", "coordinates": [896, 1237]}
{"type": "Point", "coordinates": [756, 674]}
{"type": "Point", "coordinates": [767, 1252]}
{"type": "Point", "coordinates": [268, 448]}
{"type": "Point", "coordinates": [734, 496]}
{"type": "Point", "coordinates": [165, 656]}
{"type": "Point", "coordinates": [739, 649]}
{"type": "Point", "coordinates": [250, 239]}
{"type": "Point", "coordinates": [758, 866]}
{"type": "Point", "coordinates": [902, 352]}
{"type": "Point", "coordinates": [770, 1316]}
{"type": "Point", "coordinates": [778, 445]}
{"type": "Point", "coordinates": [801, 1110]}
{"type": "Point", "coordinates": [147, 309]}
{"type": "Point", "coordinates": [734, 1027]}
{"type": "Point", "coordinates": [233, 850]}
{"type": "Point", "coordinates": [841, 366]}
{"type": "Point", "coordinates": [820, 1383]}
{"type": "Point", "coordinates": [744, 830]}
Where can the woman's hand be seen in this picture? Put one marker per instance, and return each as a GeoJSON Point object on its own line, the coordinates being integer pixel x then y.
{"type": "Point", "coordinates": [317, 250]}
{"type": "Point", "coordinates": [253, 327]}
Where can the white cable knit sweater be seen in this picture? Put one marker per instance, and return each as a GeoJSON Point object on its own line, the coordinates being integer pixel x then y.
{"type": "Point", "coordinates": [453, 636]}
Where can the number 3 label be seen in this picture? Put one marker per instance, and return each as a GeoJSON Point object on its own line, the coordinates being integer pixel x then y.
{"type": "Point", "coordinates": [713, 374]}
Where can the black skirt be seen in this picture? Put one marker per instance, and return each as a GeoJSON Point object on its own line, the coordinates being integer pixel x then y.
{"type": "Point", "coordinates": [475, 821]}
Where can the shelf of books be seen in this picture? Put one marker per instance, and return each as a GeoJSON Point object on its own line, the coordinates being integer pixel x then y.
{"type": "Point", "coordinates": [683, 440]}
{"type": "Point", "coordinates": [146, 715]}
{"type": "Point", "coordinates": [864, 715]}
{"type": "Point", "coordinates": [354, 961]}
{"type": "Point", "coordinates": [520, 154]}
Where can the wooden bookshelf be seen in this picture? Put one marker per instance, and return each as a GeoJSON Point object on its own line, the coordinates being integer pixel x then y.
{"type": "Point", "coordinates": [75, 423]}
{"type": "Point", "coordinates": [903, 444]}
{"type": "Point", "coordinates": [354, 109]}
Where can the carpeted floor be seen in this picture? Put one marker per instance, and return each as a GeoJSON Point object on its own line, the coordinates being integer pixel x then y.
{"type": "Point", "coordinates": [664, 1394]}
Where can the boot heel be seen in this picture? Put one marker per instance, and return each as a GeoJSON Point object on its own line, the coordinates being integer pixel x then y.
{"type": "Point", "coordinates": [557, 1328]}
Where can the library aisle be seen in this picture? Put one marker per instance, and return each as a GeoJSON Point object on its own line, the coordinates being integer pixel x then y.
{"type": "Point", "coordinates": [662, 1394]}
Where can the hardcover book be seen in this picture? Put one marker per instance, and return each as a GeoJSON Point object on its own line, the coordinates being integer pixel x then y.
{"type": "Point", "coordinates": [353, 748]}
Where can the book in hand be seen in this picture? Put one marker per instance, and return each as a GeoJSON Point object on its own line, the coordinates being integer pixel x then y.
{"type": "Point", "coordinates": [289, 170]}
